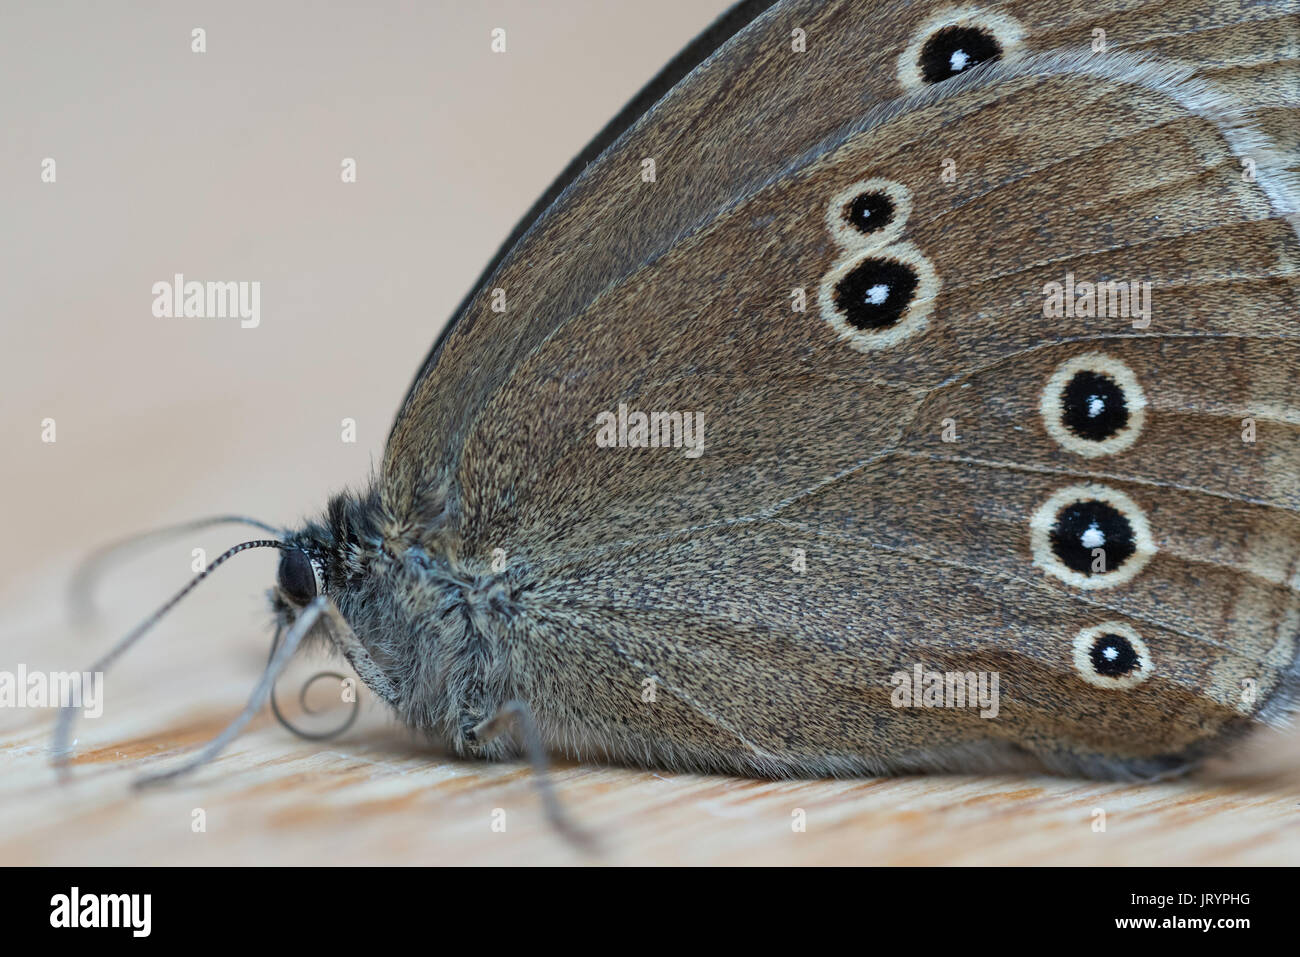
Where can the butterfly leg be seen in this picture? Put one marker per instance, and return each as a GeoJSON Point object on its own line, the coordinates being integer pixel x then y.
{"type": "Point", "coordinates": [516, 717]}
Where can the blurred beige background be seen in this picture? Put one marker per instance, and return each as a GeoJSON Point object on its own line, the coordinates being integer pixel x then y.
{"type": "Point", "coordinates": [225, 165]}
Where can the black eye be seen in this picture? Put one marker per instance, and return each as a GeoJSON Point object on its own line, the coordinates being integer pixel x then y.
{"type": "Point", "coordinates": [869, 212]}
{"type": "Point", "coordinates": [876, 293]}
{"type": "Point", "coordinates": [1093, 406]}
{"type": "Point", "coordinates": [1114, 656]}
{"type": "Point", "coordinates": [955, 50]}
{"type": "Point", "coordinates": [296, 578]}
{"type": "Point", "coordinates": [1084, 526]}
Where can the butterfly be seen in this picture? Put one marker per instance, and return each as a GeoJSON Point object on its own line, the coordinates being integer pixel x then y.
{"type": "Point", "coordinates": [889, 387]}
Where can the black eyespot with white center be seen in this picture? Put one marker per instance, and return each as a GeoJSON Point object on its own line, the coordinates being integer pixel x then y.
{"type": "Point", "coordinates": [869, 212]}
{"type": "Point", "coordinates": [1112, 655]}
{"type": "Point", "coordinates": [1082, 528]}
{"type": "Point", "coordinates": [956, 41]}
{"type": "Point", "coordinates": [879, 292]}
{"type": "Point", "coordinates": [1093, 405]}
{"type": "Point", "coordinates": [296, 577]}
{"type": "Point", "coordinates": [875, 293]}
{"type": "Point", "coordinates": [1091, 536]}
{"type": "Point", "coordinates": [955, 50]}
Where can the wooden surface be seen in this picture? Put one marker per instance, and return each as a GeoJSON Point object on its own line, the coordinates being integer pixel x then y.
{"type": "Point", "coordinates": [375, 798]}
{"type": "Point", "coordinates": [376, 795]}
{"type": "Point", "coordinates": [225, 166]}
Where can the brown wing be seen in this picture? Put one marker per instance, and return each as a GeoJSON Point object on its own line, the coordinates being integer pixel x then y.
{"type": "Point", "coordinates": [824, 430]}
{"type": "Point", "coordinates": [734, 121]}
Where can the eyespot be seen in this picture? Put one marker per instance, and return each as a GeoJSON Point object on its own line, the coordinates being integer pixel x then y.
{"type": "Point", "coordinates": [1088, 525]}
{"type": "Point", "coordinates": [1090, 536]}
{"type": "Point", "coordinates": [955, 42]}
{"type": "Point", "coordinates": [875, 299]}
{"type": "Point", "coordinates": [868, 214]}
{"type": "Point", "coordinates": [953, 50]}
{"type": "Point", "coordinates": [299, 577]}
{"type": "Point", "coordinates": [1112, 655]}
{"type": "Point", "coordinates": [1093, 405]}
{"type": "Point", "coordinates": [875, 293]}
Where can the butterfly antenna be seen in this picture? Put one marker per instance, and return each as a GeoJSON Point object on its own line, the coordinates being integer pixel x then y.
{"type": "Point", "coordinates": [67, 714]}
{"type": "Point", "coordinates": [302, 701]}
{"type": "Point", "coordinates": [81, 590]}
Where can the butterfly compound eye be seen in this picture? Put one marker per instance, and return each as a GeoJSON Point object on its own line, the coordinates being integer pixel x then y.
{"type": "Point", "coordinates": [296, 577]}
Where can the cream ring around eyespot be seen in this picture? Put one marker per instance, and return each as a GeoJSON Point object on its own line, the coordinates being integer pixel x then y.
{"type": "Point", "coordinates": [1051, 407]}
{"type": "Point", "coordinates": [1044, 520]}
{"type": "Point", "coordinates": [1082, 655]}
{"type": "Point", "coordinates": [914, 317]}
{"type": "Point", "coordinates": [853, 240]}
{"type": "Point", "coordinates": [1007, 31]}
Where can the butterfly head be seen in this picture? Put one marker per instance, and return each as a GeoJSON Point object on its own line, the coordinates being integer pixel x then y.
{"type": "Point", "coordinates": [397, 604]}
{"type": "Point", "coordinates": [332, 562]}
